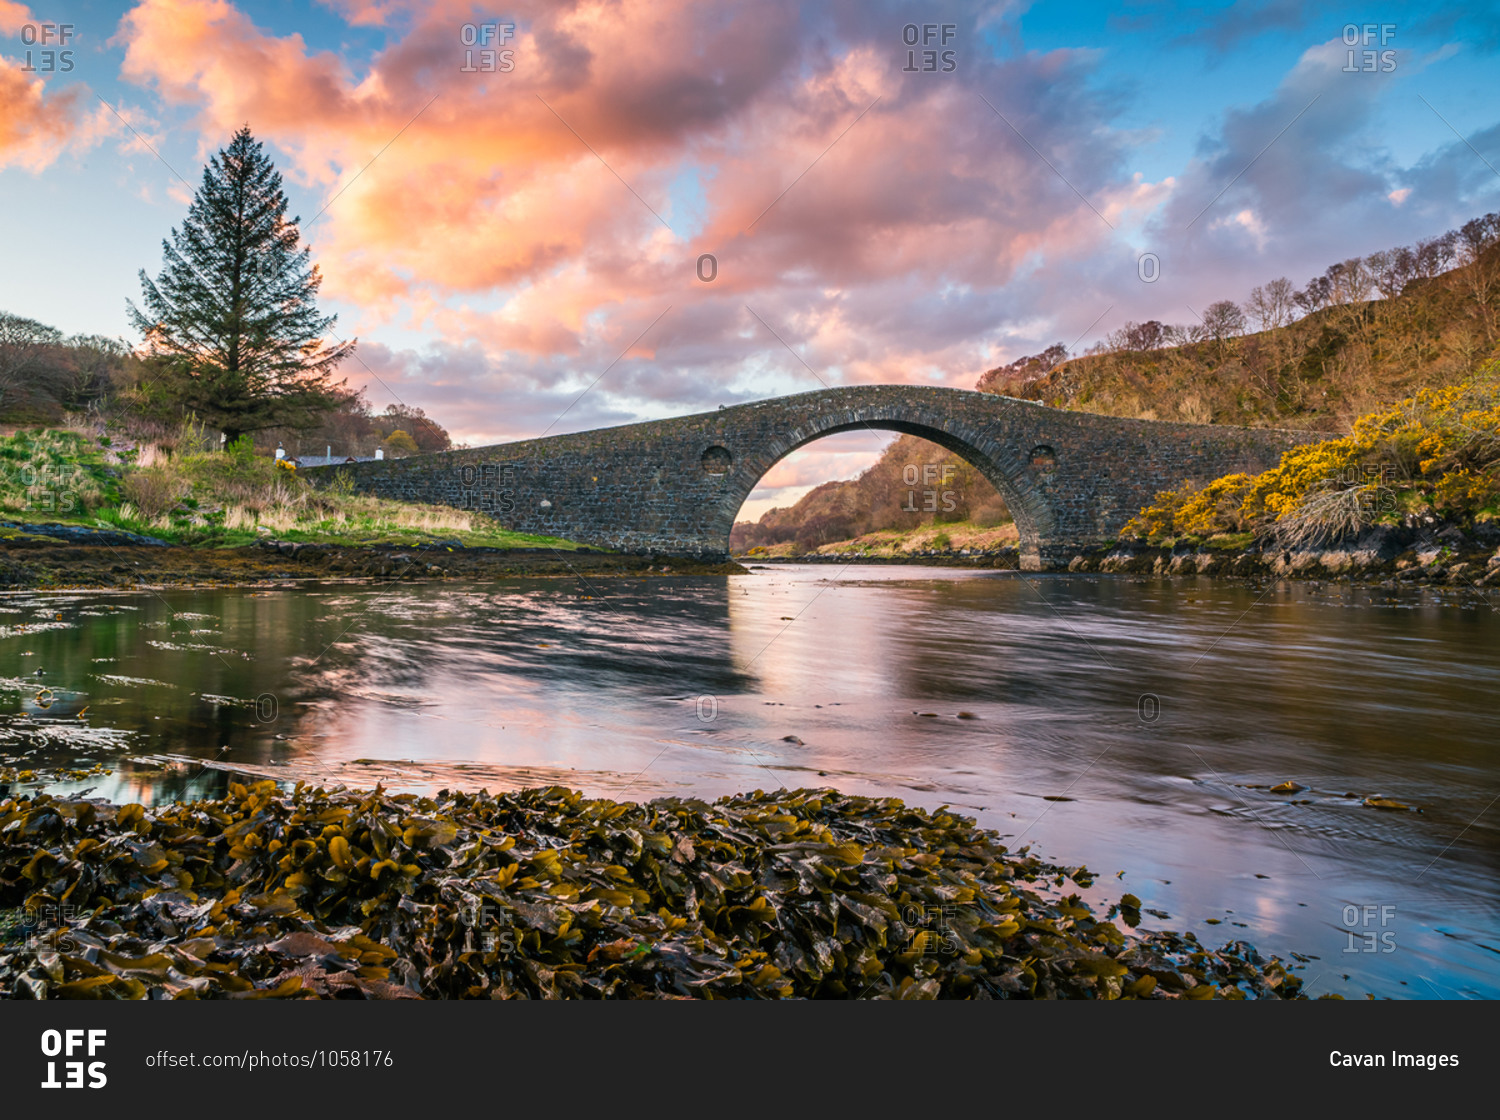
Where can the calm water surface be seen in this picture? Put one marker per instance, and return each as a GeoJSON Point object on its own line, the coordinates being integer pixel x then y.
{"type": "Point", "coordinates": [1116, 723]}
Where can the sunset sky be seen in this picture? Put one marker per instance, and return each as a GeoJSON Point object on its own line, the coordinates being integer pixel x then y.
{"type": "Point", "coordinates": [497, 241]}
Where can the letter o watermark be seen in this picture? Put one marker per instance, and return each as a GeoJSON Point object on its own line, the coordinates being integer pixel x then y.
{"type": "Point", "coordinates": [265, 708]}
{"type": "Point", "coordinates": [713, 262]}
{"type": "Point", "coordinates": [1148, 267]}
{"type": "Point", "coordinates": [1148, 707]}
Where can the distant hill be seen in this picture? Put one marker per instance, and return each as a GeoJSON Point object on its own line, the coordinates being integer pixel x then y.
{"type": "Point", "coordinates": [914, 483]}
{"type": "Point", "coordinates": [1363, 334]}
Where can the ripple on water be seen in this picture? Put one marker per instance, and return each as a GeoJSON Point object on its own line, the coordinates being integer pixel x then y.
{"type": "Point", "coordinates": [121, 679]}
{"type": "Point", "coordinates": [69, 733]}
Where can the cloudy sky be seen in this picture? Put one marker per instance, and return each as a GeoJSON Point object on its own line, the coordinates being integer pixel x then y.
{"type": "Point", "coordinates": [516, 239]}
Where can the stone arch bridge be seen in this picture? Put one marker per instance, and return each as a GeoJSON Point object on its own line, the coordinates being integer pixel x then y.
{"type": "Point", "coordinates": [673, 487]}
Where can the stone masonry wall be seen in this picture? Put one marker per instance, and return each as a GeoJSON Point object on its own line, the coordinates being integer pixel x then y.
{"type": "Point", "coordinates": [674, 486]}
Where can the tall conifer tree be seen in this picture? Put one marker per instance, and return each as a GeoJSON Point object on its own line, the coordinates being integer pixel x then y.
{"type": "Point", "coordinates": [232, 320]}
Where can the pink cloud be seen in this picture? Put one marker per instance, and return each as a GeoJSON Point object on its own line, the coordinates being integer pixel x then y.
{"type": "Point", "coordinates": [365, 13]}
{"type": "Point", "coordinates": [36, 126]}
{"type": "Point", "coordinates": [868, 225]}
{"type": "Point", "coordinates": [13, 17]}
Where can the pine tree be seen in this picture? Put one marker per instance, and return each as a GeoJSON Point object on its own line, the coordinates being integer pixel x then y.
{"type": "Point", "coordinates": [231, 321]}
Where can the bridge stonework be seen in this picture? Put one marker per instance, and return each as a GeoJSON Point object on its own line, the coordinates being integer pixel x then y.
{"type": "Point", "coordinates": [673, 487]}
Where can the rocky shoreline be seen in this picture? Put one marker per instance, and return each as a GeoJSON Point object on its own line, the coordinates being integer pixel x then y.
{"type": "Point", "coordinates": [1388, 556]}
{"type": "Point", "coordinates": [1388, 559]}
{"type": "Point", "coordinates": [61, 557]}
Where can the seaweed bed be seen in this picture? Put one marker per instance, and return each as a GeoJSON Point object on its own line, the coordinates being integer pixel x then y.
{"type": "Point", "coordinates": [319, 893]}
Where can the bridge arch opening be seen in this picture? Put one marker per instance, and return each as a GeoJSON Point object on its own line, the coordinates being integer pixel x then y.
{"type": "Point", "coordinates": [1014, 481]}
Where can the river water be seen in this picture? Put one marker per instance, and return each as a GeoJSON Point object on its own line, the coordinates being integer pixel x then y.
{"type": "Point", "coordinates": [1134, 726]}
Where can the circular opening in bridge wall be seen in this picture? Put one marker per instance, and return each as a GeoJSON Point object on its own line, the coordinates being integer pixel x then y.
{"type": "Point", "coordinates": [1043, 458]}
{"type": "Point", "coordinates": [717, 460]}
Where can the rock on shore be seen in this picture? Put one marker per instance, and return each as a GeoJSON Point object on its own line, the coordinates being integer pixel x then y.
{"type": "Point", "coordinates": [1395, 556]}
{"type": "Point", "coordinates": [1387, 555]}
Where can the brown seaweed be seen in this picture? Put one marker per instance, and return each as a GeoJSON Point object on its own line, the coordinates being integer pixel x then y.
{"type": "Point", "coordinates": [308, 892]}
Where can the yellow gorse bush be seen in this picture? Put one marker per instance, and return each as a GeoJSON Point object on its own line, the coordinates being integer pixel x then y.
{"type": "Point", "coordinates": [1280, 490]}
{"type": "Point", "coordinates": [1439, 448]}
{"type": "Point", "coordinates": [1215, 508]}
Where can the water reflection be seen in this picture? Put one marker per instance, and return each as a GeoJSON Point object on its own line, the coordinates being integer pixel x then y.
{"type": "Point", "coordinates": [858, 678]}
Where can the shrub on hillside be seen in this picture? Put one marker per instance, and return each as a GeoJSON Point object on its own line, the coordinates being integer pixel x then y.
{"type": "Point", "coordinates": [1438, 449]}
{"type": "Point", "coordinates": [154, 490]}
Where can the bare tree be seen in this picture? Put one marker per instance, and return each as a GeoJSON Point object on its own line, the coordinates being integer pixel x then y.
{"type": "Point", "coordinates": [1273, 304]}
{"type": "Point", "coordinates": [1223, 319]}
{"type": "Point", "coordinates": [1315, 296]}
{"type": "Point", "coordinates": [1179, 335]}
{"type": "Point", "coordinates": [24, 344]}
{"type": "Point", "coordinates": [1477, 235]}
{"type": "Point", "coordinates": [1434, 253]}
{"type": "Point", "coordinates": [1392, 269]}
{"type": "Point", "coordinates": [1150, 335]}
{"type": "Point", "coordinates": [1022, 370]}
{"type": "Point", "coordinates": [1349, 281]}
{"type": "Point", "coordinates": [1478, 276]}
{"type": "Point", "coordinates": [91, 360]}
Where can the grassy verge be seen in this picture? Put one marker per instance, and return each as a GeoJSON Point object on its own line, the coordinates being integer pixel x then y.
{"type": "Point", "coordinates": [55, 475]}
{"type": "Point", "coordinates": [217, 499]}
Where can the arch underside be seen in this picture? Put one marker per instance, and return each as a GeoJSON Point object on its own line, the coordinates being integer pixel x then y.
{"type": "Point", "coordinates": [1029, 509]}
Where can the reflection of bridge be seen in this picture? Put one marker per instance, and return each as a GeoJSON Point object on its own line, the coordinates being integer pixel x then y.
{"type": "Point", "coordinates": [674, 486]}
